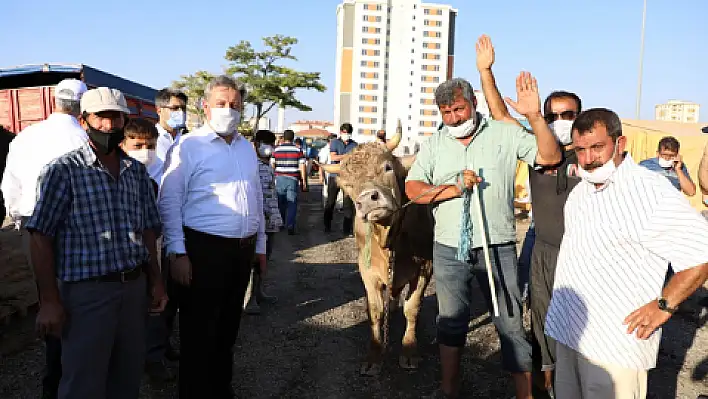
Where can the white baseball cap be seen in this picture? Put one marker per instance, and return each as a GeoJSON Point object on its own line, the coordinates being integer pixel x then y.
{"type": "Point", "coordinates": [70, 89]}
{"type": "Point", "coordinates": [104, 99]}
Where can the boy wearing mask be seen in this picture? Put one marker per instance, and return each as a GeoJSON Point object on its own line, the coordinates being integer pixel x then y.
{"type": "Point", "coordinates": [140, 143]}
{"type": "Point", "coordinates": [264, 142]}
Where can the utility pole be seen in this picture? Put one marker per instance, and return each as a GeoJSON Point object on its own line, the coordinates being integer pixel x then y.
{"type": "Point", "coordinates": [641, 63]}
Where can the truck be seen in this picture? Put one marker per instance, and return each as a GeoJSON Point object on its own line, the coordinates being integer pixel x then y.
{"type": "Point", "coordinates": [27, 92]}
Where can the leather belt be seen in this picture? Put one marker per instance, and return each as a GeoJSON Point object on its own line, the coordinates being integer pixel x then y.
{"type": "Point", "coordinates": [120, 277]}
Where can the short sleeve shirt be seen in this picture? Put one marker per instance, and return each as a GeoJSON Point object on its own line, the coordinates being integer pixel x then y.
{"type": "Point", "coordinates": [493, 154]}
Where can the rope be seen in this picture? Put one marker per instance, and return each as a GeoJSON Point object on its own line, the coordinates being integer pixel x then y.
{"type": "Point", "coordinates": [465, 241]}
{"type": "Point", "coordinates": [367, 245]}
{"type": "Point", "coordinates": [387, 299]}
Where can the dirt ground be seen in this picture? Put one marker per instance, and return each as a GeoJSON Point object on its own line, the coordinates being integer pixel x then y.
{"type": "Point", "coordinates": [310, 344]}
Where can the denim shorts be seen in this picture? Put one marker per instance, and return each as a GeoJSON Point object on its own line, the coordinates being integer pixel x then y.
{"type": "Point", "coordinates": [454, 289]}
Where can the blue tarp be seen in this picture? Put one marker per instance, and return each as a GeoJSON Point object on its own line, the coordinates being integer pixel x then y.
{"type": "Point", "coordinates": [91, 76]}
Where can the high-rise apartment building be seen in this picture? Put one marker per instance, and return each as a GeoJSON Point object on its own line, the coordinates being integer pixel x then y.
{"type": "Point", "coordinates": [391, 55]}
{"type": "Point", "coordinates": [677, 111]}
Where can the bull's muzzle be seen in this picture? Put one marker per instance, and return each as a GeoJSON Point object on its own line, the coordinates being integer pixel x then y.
{"type": "Point", "coordinates": [374, 204]}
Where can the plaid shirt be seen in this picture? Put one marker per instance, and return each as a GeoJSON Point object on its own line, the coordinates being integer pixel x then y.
{"type": "Point", "coordinates": [97, 222]}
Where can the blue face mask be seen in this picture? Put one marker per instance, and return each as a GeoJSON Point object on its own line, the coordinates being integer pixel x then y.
{"type": "Point", "coordinates": [177, 119]}
{"type": "Point", "coordinates": [705, 201]}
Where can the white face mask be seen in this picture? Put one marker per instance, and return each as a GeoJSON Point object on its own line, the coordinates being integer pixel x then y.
{"type": "Point", "coordinates": [144, 156]}
{"type": "Point", "coordinates": [666, 163]}
{"type": "Point", "coordinates": [265, 150]}
{"type": "Point", "coordinates": [224, 121]}
{"type": "Point", "coordinates": [562, 130]}
{"type": "Point", "coordinates": [345, 136]}
{"type": "Point", "coordinates": [601, 174]}
{"type": "Point", "coordinates": [463, 130]}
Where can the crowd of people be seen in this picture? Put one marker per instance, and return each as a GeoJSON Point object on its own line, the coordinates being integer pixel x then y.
{"type": "Point", "coordinates": [112, 208]}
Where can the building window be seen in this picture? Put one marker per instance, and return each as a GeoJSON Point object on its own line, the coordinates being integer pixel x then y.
{"type": "Point", "coordinates": [432, 45]}
{"type": "Point", "coordinates": [431, 79]}
{"type": "Point", "coordinates": [428, 33]}
{"type": "Point", "coordinates": [369, 75]}
{"type": "Point", "coordinates": [370, 41]}
{"type": "Point", "coordinates": [369, 86]}
{"type": "Point", "coordinates": [369, 121]}
{"type": "Point", "coordinates": [371, 18]}
{"type": "Point", "coordinates": [429, 56]}
{"type": "Point", "coordinates": [430, 67]}
{"type": "Point", "coordinates": [364, 108]}
{"type": "Point", "coordinates": [429, 112]}
{"type": "Point", "coordinates": [370, 52]}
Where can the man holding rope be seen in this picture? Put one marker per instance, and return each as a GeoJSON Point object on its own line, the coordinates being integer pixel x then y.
{"type": "Point", "coordinates": [472, 153]}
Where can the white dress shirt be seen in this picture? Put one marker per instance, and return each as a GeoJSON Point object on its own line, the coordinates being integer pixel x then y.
{"type": "Point", "coordinates": [618, 242]}
{"type": "Point", "coordinates": [165, 141]}
{"type": "Point", "coordinates": [30, 151]}
{"type": "Point", "coordinates": [212, 187]}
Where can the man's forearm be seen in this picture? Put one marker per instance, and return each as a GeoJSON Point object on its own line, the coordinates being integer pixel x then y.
{"type": "Point", "coordinates": [495, 102]}
{"type": "Point", "coordinates": [548, 149]}
{"type": "Point", "coordinates": [42, 253]}
{"type": "Point", "coordinates": [685, 283]}
{"type": "Point", "coordinates": [153, 267]}
{"type": "Point", "coordinates": [423, 193]}
{"type": "Point", "coordinates": [687, 186]}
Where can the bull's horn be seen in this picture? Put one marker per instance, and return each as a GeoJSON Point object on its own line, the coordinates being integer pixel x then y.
{"type": "Point", "coordinates": [330, 168]}
{"type": "Point", "coordinates": [407, 161]}
{"type": "Point", "coordinates": [394, 141]}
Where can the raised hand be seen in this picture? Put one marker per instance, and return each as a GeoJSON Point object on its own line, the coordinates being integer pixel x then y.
{"type": "Point", "coordinates": [485, 53]}
{"type": "Point", "coordinates": [528, 102]}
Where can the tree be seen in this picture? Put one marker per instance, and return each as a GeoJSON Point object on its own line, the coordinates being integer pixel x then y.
{"type": "Point", "coordinates": [193, 86]}
{"type": "Point", "coordinates": [269, 83]}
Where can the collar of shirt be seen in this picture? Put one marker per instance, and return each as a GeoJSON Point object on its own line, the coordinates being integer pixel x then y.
{"type": "Point", "coordinates": [58, 117]}
{"type": "Point", "coordinates": [166, 135]}
{"type": "Point", "coordinates": [89, 157]}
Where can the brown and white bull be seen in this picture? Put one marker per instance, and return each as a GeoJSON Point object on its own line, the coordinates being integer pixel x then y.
{"type": "Point", "coordinates": [374, 178]}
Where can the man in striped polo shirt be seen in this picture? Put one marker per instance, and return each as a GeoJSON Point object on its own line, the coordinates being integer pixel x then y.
{"type": "Point", "coordinates": [623, 225]}
{"type": "Point", "coordinates": [289, 164]}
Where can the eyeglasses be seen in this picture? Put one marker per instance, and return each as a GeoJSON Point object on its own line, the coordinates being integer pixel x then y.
{"type": "Point", "coordinates": [176, 107]}
{"type": "Point", "coordinates": [565, 115]}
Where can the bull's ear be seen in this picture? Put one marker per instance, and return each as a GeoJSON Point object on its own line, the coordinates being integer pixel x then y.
{"type": "Point", "coordinates": [407, 161]}
{"type": "Point", "coordinates": [393, 142]}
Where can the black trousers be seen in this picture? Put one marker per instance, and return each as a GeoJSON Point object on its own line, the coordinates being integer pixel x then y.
{"type": "Point", "coordinates": [347, 205]}
{"type": "Point", "coordinates": [210, 312]}
{"type": "Point", "coordinates": [52, 367]}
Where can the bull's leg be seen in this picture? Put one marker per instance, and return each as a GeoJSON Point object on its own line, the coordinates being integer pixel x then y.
{"type": "Point", "coordinates": [409, 358]}
{"type": "Point", "coordinates": [374, 296]}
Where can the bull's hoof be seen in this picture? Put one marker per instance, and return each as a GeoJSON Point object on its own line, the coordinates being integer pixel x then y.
{"type": "Point", "coordinates": [409, 362]}
{"type": "Point", "coordinates": [370, 369]}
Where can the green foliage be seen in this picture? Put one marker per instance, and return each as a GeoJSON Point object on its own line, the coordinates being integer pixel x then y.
{"type": "Point", "coordinates": [193, 86]}
{"type": "Point", "coordinates": [269, 82]}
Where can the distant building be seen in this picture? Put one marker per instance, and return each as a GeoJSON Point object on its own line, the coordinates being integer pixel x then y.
{"type": "Point", "coordinates": [264, 123]}
{"type": "Point", "coordinates": [678, 111]}
{"type": "Point", "coordinates": [390, 57]}
{"type": "Point", "coordinates": [302, 125]}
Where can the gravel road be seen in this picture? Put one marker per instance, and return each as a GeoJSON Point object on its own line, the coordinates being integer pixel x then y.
{"type": "Point", "coordinates": [310, 344]}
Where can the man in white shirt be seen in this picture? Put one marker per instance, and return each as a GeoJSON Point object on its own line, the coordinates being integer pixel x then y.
{"type": "Point", "coordinates": [624, 224]}
{"type": "Point", "coordinates": [34, 147]}
{"type": "Point", "coordinates": [171, 107]}
{"type": "Point", "coordinates": [211, 205]}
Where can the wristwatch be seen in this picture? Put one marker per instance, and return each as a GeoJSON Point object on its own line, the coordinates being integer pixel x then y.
{"type": "Point", "coordinates": [664, 305]}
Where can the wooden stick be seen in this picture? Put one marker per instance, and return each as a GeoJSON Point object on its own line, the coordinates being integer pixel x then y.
{"type": "Point", "coordinates": [485, 246]}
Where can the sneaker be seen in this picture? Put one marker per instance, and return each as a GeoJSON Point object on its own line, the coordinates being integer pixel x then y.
{"type": "Point", "coordinates": [252, 308]}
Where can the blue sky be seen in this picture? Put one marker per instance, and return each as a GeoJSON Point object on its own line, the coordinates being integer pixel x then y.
{"type": "Point", "coordinates": [590, 47]}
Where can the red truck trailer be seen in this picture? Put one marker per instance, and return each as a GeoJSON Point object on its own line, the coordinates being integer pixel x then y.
{"type": "Point", "coordinates": [27, 92]}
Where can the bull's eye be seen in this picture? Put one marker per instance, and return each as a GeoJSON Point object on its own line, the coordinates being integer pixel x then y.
{"type": "Point", "coordinates": [388, 167]}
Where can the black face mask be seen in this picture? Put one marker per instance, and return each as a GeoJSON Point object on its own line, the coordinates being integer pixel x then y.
{"type": "Point", "coordinates": [105, 142]}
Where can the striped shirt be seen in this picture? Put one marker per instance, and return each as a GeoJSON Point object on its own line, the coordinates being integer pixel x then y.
{"type": "Point", "coordinates": [618, 242]}
{"type": "Point", "coordinates": [287, 159]}
{"type": "Point", "coordinates": [97, 221]}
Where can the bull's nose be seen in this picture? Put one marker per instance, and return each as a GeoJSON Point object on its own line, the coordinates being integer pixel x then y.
{"type": "Point", "coordinates": [374, 196]}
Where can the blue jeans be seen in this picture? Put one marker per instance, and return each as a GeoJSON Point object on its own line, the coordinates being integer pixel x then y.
{"type": "Point", "coordinates": [453, 285]}
{"type": "Point", "coordinates": [286, 189]}
{"type": "Point", "coordinates": [525, 261]}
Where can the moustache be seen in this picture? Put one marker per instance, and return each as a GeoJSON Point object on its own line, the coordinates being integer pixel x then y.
{"type": "Point", "coordinates": [592, 166]}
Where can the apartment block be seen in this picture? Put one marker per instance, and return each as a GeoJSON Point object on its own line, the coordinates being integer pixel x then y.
{"type": "Point", "coordinates": [391, 55]}
{"type": "Point", "coordinates": [677, 111]}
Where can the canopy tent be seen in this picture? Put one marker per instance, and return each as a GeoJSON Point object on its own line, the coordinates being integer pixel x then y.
{"type": "Point", "coordinates": [642, 141]}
